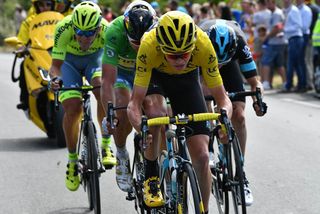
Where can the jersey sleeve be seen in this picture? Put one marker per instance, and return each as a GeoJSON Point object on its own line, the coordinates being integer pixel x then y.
{"type": "Point", "coordinates": [209, 62]}
{"type": "Point", "coordinates": [62, 37]}
{"type": "Point", "coordinates": [246, 62]}
{"type": "Point", "coordinates": [23, 34]}
{"type": "Point", "coordinates": [144, 62]}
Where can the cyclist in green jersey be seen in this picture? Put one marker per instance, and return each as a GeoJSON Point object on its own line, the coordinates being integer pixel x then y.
{"type": "Point", "coordinates": [77, 52]}
{"type": "Point", "coordinates": [118, 69]}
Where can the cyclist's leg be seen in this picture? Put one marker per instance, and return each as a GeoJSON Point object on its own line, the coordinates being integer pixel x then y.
{"type": "Point", "coordinates": [153, 106]}
{"type": "Point", "coordinates": [198, 144]}
{"type": "Point", "coordinates": [93, 75]}
{"type": "Point", "coordinates": [122, 90]}
{"type": "Point", "coordinates": [72, 105]}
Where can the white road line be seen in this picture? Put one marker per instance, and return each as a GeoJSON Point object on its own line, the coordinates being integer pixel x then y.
{"type": "Point", "coordinates": [301, 103]}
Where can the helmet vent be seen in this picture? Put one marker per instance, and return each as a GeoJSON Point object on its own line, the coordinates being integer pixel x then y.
{"type": "Point", "coordinates": [176, 23]}
{"type": "Point", "coordinates": [165, 38]}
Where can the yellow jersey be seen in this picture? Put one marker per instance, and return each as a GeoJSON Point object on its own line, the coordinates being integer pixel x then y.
{"type": "Point", "coordinates": [151, 57]}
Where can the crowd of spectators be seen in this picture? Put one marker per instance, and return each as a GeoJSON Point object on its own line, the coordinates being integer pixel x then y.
{"type": "Point", "coordinates": [278, 34]}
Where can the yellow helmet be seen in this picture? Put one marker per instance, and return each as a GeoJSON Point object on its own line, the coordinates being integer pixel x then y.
{"type": "Point", "coordinates": [176, 32]}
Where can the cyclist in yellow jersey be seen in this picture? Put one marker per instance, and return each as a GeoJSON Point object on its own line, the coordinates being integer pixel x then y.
{"type": "Point", "coordinates": [77, 52]}
{"type": "Point", "coordinates": [170, 57]}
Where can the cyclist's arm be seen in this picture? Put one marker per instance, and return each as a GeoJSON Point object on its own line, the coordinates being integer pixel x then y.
{"type": "Point", "coordinates": [222, 99]}
{"type": "Point", "coordinates": [55, 68]}
{"type": "Point", "coordinates": [135, 104]}
{"type": "Point", "coordinates": [109, 75]}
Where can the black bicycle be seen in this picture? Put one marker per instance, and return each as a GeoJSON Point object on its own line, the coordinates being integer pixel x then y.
{"type": "Point", "coordinates": [227, 167]}
{"type": "Point", "coordinates": [137, 165]}
{"type": "Point", "coordinates": [90, 165]}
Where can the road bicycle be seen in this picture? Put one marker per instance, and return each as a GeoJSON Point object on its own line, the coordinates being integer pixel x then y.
{"type": "Point", "coordinates": [228, 178]}
{"type": "Point", "coordinates": [90, 165]}
{"type": "Point", "coordinates": [178, 180]}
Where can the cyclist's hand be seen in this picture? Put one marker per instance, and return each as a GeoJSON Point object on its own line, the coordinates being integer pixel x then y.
{"type": "Point", "coordinates": [55, 83]}
{"type": "Point", "coordinates": [223, 137]}
{"type": "Point", "coordinates": [257, 109]}
{"type": "Point", "coordinates": [106, 127]}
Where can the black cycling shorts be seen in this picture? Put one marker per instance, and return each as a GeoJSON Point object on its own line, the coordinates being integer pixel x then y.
{"type": "Point", "coordinates": [185, 95]}
{"type": "Point", "coordinates": [232, 78]}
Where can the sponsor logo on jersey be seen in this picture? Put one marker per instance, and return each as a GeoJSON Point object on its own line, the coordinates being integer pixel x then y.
{"type": "Point", "coordinates": [143, 58]}
{"type": "Point", "coordinates": [247, 52]}
{"type": "Point", "coordinates": [212, 72]}
{"type": "Point", "coordinates": [110, 53]}
{"type": "Point", "coordinates": [212, 59]}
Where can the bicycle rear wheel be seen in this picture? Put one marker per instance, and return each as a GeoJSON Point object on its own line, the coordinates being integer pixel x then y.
{"type": "Point", "coordinates": [219, 191]}
{"type": "Point", "coordinates": [93, 187]}
{"type": "Point", "coordinates": [218, 188]}
{"type": "Point", "coordinates": [189, 198]}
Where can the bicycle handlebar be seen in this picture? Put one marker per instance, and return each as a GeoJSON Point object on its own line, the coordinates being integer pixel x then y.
{"type": "Point", "coordinates": [110, 113]}
{"type": "Point", "coordinates": [83, 89]}
{"type": "Point", "coordinates": [234, 95]}
{"type": "Point", "coordinates": [185, 119]}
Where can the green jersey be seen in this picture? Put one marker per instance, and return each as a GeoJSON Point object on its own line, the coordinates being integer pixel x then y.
{"type": "Point", "coordinates": [118, 51]}
{"type": "Point", "coordinates": [65, 41]}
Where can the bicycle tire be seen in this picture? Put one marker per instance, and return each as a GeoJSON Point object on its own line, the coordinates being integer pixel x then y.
{"type": "Point", "coordinates": [219, 191]}
{"type": "Point", "coordinates": [186, 180]}
{"type": "Point", "coordinates": [138, 178]}
{"type": "Point", "coordinates": [93, 187]}
{"type": "Point", "coordinates": [238, 177]}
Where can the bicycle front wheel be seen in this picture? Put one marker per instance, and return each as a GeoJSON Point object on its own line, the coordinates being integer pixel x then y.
{"type": "Point", "coordinates": [189, 198]}
{"type": "Point", "coordinates": [237, 178]}
{"type": "Point", "coordinates": [93, 187]}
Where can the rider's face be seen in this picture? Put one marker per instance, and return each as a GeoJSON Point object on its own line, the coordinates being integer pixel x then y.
{"type": "Point", "coordinates": [44, 6]}
{"type": "Point", "coordinates": [86, 41]}
{"type": "Point", "coordinates": [178, 61]}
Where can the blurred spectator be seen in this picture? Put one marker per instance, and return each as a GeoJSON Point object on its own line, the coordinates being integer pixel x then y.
{"type": "Point", "coordinates": [306, 17]}
{"type": "Point", "coordinates": [224, 11]}
{"type": "Point", "coordinates": [174, 5]}
{"type": "Point", "coordinates": [273, 56]}
{"type": "Point", "coordinates": [245, 21]}
{"type": "Point", "coordinates": [188, 6]}
{"type": "Point", "coordinates": [204, 15]}
{"type": "Point", "coordinates": [261, 18]}
{"type": "Point", "coordinates": [293, 30]}
{"type": "Point", "coordinates": [155, 5]}
{"type": "Point", "coordinates": [309, 55]}
{"type": "Point", "coordinates": [108, 14]}
{"type": "Point", "coordinates": [259, 45]}
{"type": "Point", "coordinates": [19, 16]}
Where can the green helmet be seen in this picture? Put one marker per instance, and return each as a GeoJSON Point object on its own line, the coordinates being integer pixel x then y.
{"type": "Point", "coordinates": [86, 16]}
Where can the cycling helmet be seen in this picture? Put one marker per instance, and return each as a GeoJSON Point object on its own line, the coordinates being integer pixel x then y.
{"type": "Point", "coordinates": [224, 41]}
{"type": "Point", "coordinates": [86, 16]}
{"type": "Point", "coordinates": [37, 4]}
{"type": "Point", "coordinates": [139, 17]}
{"type": "Point", "coordinates": [176, 32]}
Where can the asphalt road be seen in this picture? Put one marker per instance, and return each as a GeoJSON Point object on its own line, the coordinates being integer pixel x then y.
{"type": "Point", "coordinates": [282, 161]}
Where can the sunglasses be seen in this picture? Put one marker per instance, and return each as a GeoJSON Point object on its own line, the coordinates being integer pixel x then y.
{"type": "Point", "coordinates": [45, 4]}
{"type": "Point", "coordinates": [86, 33]}
{"type": "Point", "coordinates": [183, 56]}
